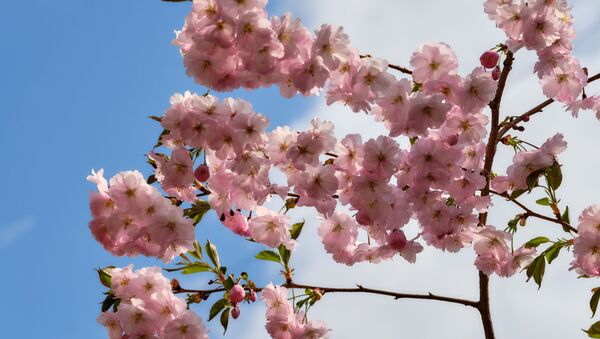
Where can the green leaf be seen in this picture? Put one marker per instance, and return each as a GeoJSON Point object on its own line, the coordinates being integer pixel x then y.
{"type": "Point", "coordinates": [297, 229]}
{"type": "Point", "coordinates": [536, 270]}
{"type": "Point", "coordinates": [554, 175]}
{"type": "Point", "coordinates": [197, 252]}
{"type": "Point", "coordinates": [211, 251]}
{"type": "Point", "coordinates": [565, 216]}
{"type": "Point", "coordinates": [594, 330]}
{"type": "Point", "coordinates": [535, 242]}
{"type": "Point", "coordinates": [196, 267]}
{"type": "Point", "coordinates": [104, 276]}
{"type": "Point", "coordinates": [197, 211]}
{"type": "Point", "coordinates": [225, 319]}
{"type": "Point", "coordinates": [285, 255]}
{"type": "Point", "coordinates": [594, 302]}
{"type": "Point", "coordinates": [109, 301]}
{"type": "Point", "coordinates": [268, 256]}
{"type": "Point", "coordinates": [543, 202]}
{"type": "Point", "coordinates": [229, 283]}
{"type": "Point", "coordinates": [552, 252]}
{"type": "Point", "coordinates": [216, 308]}
{"type": "Point", "coordinates": [151, 179]}
{"type": "Point", "coordinates": [532, 179]}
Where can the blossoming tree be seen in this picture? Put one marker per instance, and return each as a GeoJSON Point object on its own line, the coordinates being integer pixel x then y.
{"type": "Point", "coordinates": [217, 155]}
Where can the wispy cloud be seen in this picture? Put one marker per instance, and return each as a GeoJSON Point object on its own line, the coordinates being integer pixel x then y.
{"type": "Point", "coordinates": [13, 231]}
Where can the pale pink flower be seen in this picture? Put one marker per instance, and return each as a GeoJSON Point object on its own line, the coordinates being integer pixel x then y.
{"type": "Point", "coordinates": [186, 326]}
{"type": "Point", "coordinates": [331, 44]}
{"type": "Point", "coordinates": [478, 90]}
{"type": "Point", "coordinates": [271, 229]}
{"type": "Point", "coordinates": [564, 82]}
{"type": "Point", "coordinates": [431, 61]}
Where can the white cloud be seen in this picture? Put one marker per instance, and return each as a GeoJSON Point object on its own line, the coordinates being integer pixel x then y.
{"type": "Point", "coordinates": [13, 231]}
{"type": "Point", "coordinates": [393, 29]}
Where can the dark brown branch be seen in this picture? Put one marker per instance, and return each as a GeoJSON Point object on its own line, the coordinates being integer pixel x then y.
{"type": "Point", "coordinates": [358, 289]}
{"type": "Point", "coordinates": [484, 295]}
{"type": "Point", "coordinates": [530, 213]}
{"type": "Point", "coordinates": [392, 66]}
{"type": "Point", "coordinates": [537, 109]}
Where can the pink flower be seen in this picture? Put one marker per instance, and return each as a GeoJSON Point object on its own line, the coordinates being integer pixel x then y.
{"type": "Point", "coordinates": [564, 82]}
{"type": "Point", "coordinates": [381, 156]}
{"type": "Point", "coordinates": [271, 229]}
{"type": "Point", "coordinates": [431, 61]}
{"type": "Point", "coordinates": [331, 44]}
{"type": "Point", "coordinates": [201, 173]}
{"type": "Point", "coordinates": [478, 90]}
{"type": "Point", "coordinates": [237, 223]}
{"type": "Point", "coordinates": [587, 253]}
{"type": "Point", "coordinates": [338, 234]}
{"type": "Point", "coordinates": [186, 326]}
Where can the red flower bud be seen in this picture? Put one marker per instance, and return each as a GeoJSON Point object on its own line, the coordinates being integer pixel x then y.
{"type": "Point", "coordinates": [489, 59]}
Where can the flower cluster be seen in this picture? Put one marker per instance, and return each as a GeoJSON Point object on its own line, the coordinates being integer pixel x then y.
{"type": "Point", "coordinates": [148, 308]}
{"type": "Point", "coordinates": [131, 217]}
{"type": "Point", "coordinates": [527, 162]}
{"type": "Point", "coordinates": [587, 243]}
{"type": "Point", "coordinates": [495, 256]}
{"type": "Point", "coordinates": [283, 322]}
{"type": "Point", "coordinates": [547, 28]}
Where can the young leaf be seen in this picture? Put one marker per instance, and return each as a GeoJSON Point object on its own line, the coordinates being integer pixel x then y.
{"type": "Point", "coordinates": [196, 267]}
{"type": "Point", "coordinates": [229, 283]}
{"type": "Point", "coordinates": [594, 330]}
{"type": "Point", "coordinates": [212, 253]}
{"type": "Point", "coordinates": [552, 252]}
{"type": "Point", "coordinates": [109, 301]}
{"type": "Point", "coordinates": [554, 176]}
{"type": "Point", "coordinates": [565, 216]}
{"type": "Point", "coordinates": [532, 179]}
{"type": "Point", "coordinates": [268, 256]}
{"type": "Point", "coordinates": [543, 202]}
{"type": "Point", "coordinates": [225, 319]}
{"type": "Point", "coordinates": [535, 242]}
{"type": "Point", "coordinates": [296, 230]}
{"type": "Point", "coordinates": [536, 270]}
{"type": "Point", "coordinates": [285, 255]}
{"type": "Point", "coordinates": [105, 278]}
{"type": "Point", "coordinates": [216, 308]}
{"type": "Point", "coordinates": [594, 302]}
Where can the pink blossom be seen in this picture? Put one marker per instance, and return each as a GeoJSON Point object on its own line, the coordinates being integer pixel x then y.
{"type": "Point", "coordinates": [564, 82]}
{"type": "Point", "coordinates": [478, 90]}
{"type": "Point", "coordinates": [271, 229]}
{"type": "Point", "coordinates": [431, 61]}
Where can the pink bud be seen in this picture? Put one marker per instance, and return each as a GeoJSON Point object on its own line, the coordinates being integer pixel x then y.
{"type": "Point", "coordinates": [496, 73]}
{"type": "Point", "coordinates": [397, 240]}
{"type": "Point", "coordinates": [237, 294]}
{"type": "Point", "coordinates": [252, 296]}
{"type": "Point", "coordinates": [489, 59]}
{"type": "Point", "coordinates": [201, 173]}
{"type": "Point", "coordinates": [235, 313]}
{"type": "Point", "coordinates": [363, 218]}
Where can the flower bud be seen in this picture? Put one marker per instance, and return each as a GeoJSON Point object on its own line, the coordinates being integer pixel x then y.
{"type": "Point", "coordinates": [496, 73]}
{"type": "Point", "coordinates": [201, 173]}
{"type": "Point", "coordinates": [489, 59]}
{"type": "Point", "coordinates": [451, 140]}
{"type": "Point", "coordinates": [252, 296]}
{"type": "Point", "coordinates": [237, 294]}
{"type": "Point", "coordinates": [235, 313]}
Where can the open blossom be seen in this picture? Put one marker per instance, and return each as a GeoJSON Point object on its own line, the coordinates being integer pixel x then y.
{"type": "Point", "coordinates": [283, 323]}
{"type": "Point", "coordinates": [478, 90]}
{"type": "Point", "coordinates": [587, 243]}
{"type": "Point", "coordinates": [338, 234]}
{"type": "Point", "coordinates": [271, 229]}
{"type": "Point", "coordinates": [431, 61]}
{"type": "Point", "coordinates": [148, 307]}
{"type": "Point", "coordinates": [133, 218]}
{"type": "Point", "coordinates": [564, 82]}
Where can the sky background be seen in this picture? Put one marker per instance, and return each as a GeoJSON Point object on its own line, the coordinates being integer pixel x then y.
{"type": "Point", "coordinates": [79, 78]}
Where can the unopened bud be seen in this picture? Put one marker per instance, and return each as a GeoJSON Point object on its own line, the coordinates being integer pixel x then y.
{"type": "Point", "coordinates": [252, 296]}
{"type": "Point", "coordinates": [235, 313]}
{"type": "Point", "coordinates": [202, 173]}
{"type": "Point", "coordinates": [175, 285]}
{"type": "Point", "coordinates": [489, 59]}
{"type": "Point", "coordinates": [496, 73]}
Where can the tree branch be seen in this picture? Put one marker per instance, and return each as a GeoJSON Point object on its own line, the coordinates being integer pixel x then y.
{"type": "Point", "coordinates": [490, 152]}
{"type": "Point", "coordinates": [531, 213]}
{"type": "Point", "coordinates": [358, 289]}
{"type": "Point", "coordinates": [534, 110]}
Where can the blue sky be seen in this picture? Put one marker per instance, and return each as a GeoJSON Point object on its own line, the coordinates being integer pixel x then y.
{"type": "Point", "coordinates": [78, 79]}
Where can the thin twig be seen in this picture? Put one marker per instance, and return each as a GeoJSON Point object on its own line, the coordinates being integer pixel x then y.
{"type": "Point", "coordinates": [537, 109]}
{"type": "Point", "coordinates": [531, 213]}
